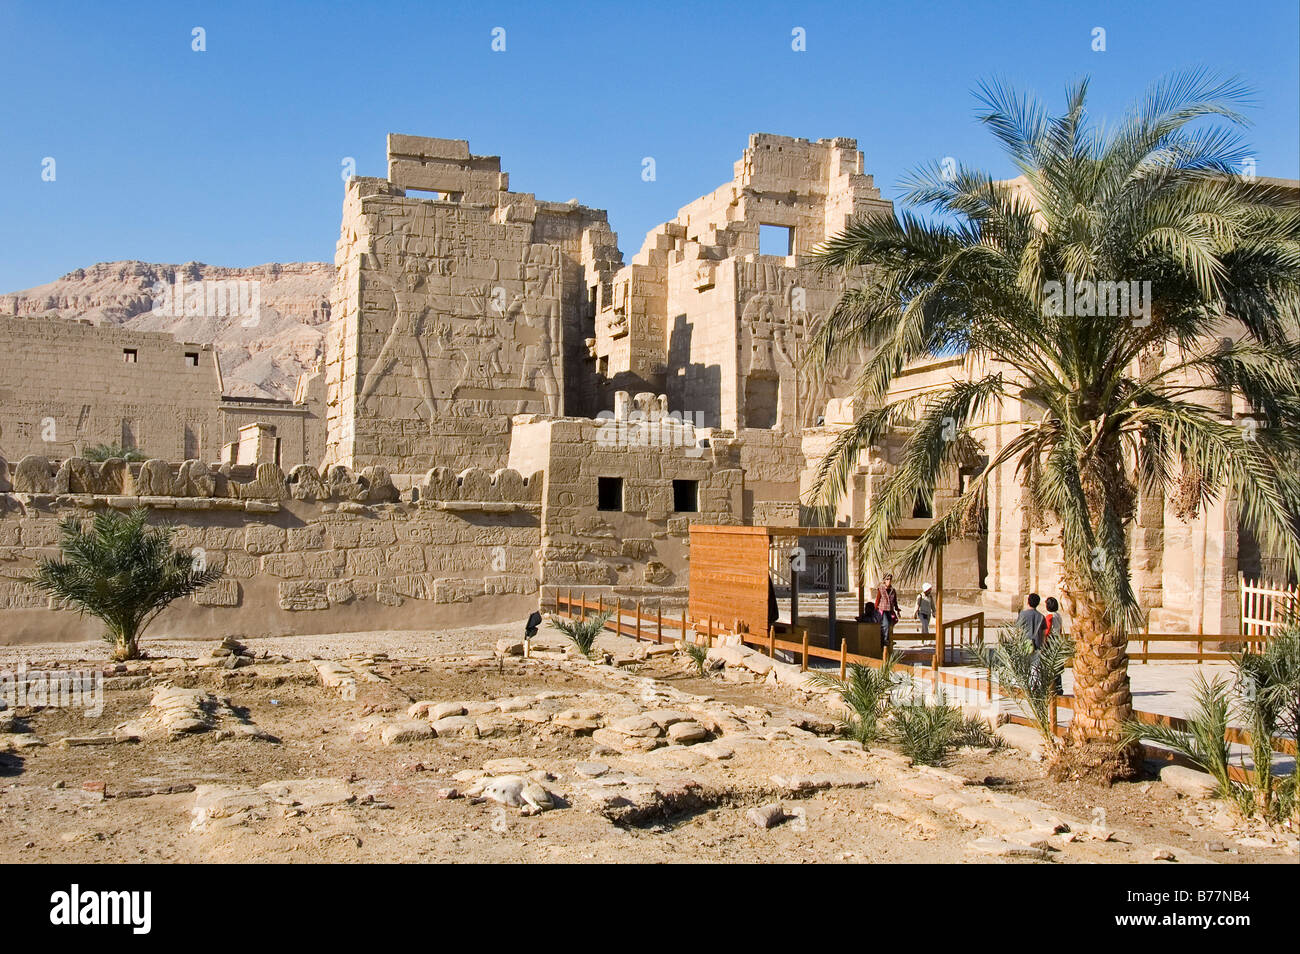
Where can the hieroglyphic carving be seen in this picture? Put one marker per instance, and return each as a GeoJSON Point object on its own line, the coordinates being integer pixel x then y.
{"type": "Point", "coordinates": [405, 342]}
{"type": "Point", "coordinates": [463, 350]}
{"type": "Point", "coordinates": [538, 332]}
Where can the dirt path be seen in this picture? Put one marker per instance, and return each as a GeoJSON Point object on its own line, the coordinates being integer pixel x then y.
{"type": "Point", "coordinates": [313, 749]}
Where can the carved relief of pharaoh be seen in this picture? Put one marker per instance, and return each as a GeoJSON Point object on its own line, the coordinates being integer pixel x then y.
{"type": "Point", "coordinates": [404, 346]}
{"type": "Point", "coordinates": [536, 315]}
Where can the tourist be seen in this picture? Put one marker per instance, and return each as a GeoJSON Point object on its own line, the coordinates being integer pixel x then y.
{"type": "Point", "coordinates": [1053, 625]}
{"type": "Point", "coordinates": [887, 603]}
{"type": "Point", "coordinates": [1031, 621]}
{"type": "Point", "coordinates": [924, 608]}
{"type": "Point", "coordinates": [869, 614]}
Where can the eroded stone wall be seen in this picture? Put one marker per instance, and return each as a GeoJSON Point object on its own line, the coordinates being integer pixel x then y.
{"type": "Point", "coordinates": [636, 545]}
{"type": "Point", "coordinates": [300, 554]}
{"type": "Point", "coordinates": [458, 304]}
{"type": "Point", "coordinates": [68, 385]}
{"type": "Point", "coordinates": [345, 552]}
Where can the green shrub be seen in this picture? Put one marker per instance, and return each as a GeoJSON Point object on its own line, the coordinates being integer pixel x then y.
{"type": "Point", "coordinates": [123, 572]}
{"type": "Point", "coordinates": [699, 654]}
{"type": "Point", "coordinates": [103, 452]}
{"type": "Point", "coordinates": [867, 693]}
{"type": "Point", "coordinates": [1203, 741]}
{"type": "Point", "coordinates": [927, 731]}
{"type": "Point", "coordinates": [583, 632]}
{"type": "Point", "coordinates": [1031, 676]}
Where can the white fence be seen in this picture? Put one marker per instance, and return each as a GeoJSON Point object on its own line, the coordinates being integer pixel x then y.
{"type": "Point", "coordinates": [1265, 606]}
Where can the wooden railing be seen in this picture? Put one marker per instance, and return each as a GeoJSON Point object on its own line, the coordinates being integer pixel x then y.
{"type": "Point", "coordinates": [1198, 652]}
{"type": "Point", "coordinates": [961, 635]}
{"type": "Point", "coordinates": [651, 626]}
{"type": "Point", "coordinates": [664, 627]}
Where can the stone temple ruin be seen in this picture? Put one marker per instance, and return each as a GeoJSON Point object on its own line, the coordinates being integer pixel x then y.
{"type": "Point", "coordinates": [507, 408]}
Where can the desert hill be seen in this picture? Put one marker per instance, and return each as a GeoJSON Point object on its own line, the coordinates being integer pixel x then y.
{"type": "Point", "coordinates": [259, 358]}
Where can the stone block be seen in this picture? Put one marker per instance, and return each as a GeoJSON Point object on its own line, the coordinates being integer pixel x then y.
{"type": "Point", "coordinates": [340, 592]}
{"type": "Point", "coordinates": [311, 537]}
{"type": "Point", "coordinates": [1189, 781]}
{"type": "Point", "coordinates": [498, 585]}
{"type": "Point", "coordinates": [264, 539]}
{"type": "Point", "coordinates": [365, 562]}
{"type": "Point", "coordinates": [221, 593]}
{"type": "Point", "coordinates": [449, 590]}
{"type": "Point", "coordinates": [300, 596]}
{"type": "Point", "coordinates": [317, 564]}
{"type": "Point", "coordinates": [410, 730]}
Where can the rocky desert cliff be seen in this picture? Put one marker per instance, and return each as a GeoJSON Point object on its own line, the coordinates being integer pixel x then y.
{"type": "Point", "coordinates": [260, 357]}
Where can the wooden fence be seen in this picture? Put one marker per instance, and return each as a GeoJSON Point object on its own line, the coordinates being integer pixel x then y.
{"type": "Point", "coordinates": [1197, 651]}
{"type": "Point", "coordinates": [659, 628]}
{"type": "Point", "coordinates": [1266, 606]}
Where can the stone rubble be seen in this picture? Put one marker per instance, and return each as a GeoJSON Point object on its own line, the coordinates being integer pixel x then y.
{"type": "Point", "coordinates": [230, 806]}
{"type": "Point", "coordinates": [174, 712]}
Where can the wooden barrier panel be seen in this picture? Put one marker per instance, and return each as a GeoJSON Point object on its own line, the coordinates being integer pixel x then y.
{"type": "Point", "coordinates": [729, 575]}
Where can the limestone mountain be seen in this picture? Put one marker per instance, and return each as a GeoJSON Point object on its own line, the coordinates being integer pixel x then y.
{"type": "Point", "coordinates": [267, 322]}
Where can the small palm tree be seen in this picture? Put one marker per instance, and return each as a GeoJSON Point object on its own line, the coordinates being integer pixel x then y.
{"type": "Point", "coordinates": [583, 632]}
{"type": "Point", "coordinates": [103, 452]}
{"type": "Point", "coordinates": [866, 692]}
{"type": "Point", "coordinates": [698, 654]}
{"type": "Point", "coordinates": [1204, 741]}
{"type": "Point", "coordinates": [1268, 694]}
{"type": "Point", "coordinates": [123, 573]}
{"type": "Point", "coordinates": [927, 731]}
{"type": "Point", "coordinates": [1108, 401]}
{"type": "Point", "coordinates": [1030, 674]}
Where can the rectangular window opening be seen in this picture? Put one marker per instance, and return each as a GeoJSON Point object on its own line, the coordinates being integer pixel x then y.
{"type": "Point", "coordinates": [686, 496]}
{"type": "Point", "coordinates": [130, 355]}
{"type": "Point", "coordinates": [192, 359]}
{"type": "Point", "coordinates": [609, 493]}
{"type": "Point", "coordinates": [775, 240]}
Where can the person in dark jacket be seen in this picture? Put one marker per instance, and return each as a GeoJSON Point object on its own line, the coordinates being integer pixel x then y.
{"type": "Point", "coordinates": [869, 614]}
{"type": "Point", "coordinates": [1031, 622]}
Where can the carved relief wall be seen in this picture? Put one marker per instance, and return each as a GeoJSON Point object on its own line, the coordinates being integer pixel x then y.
{"type": "Point", "coordinates": [452, 311]}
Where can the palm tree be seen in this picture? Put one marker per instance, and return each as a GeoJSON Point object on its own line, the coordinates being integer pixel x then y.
{"type": "Point", "coordinates": [123, 573]}
{"type": "Point", "coordinates": [583, 632]}
{"type": "Point", "coordinates": [102, 452]}
{"type": "Point", "coordinates": [1118, 402]}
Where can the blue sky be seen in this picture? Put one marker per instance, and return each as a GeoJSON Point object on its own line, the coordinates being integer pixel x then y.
{"type": "Point", "coordinates": [233, 156]}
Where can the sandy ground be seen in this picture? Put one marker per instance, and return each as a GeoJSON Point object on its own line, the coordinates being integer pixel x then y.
{"type": "Point", "coordinates": [346, 795]}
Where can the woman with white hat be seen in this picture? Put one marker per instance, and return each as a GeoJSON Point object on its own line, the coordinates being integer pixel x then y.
{"type": "Point", "coordinates": [924, 608]}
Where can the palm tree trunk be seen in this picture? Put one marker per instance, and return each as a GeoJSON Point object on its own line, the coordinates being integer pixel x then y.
{"type": "Point", "coordinates": [1102, 697]}
{"type": "Point", "coordinates": [126, 643]}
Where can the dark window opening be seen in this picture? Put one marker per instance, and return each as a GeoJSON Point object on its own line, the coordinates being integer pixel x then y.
{"type": "Point", "coordinates": [609, 493]}
{"type": "Point", "coordinates": [686, 496]}
{"type": "Point", "coordinates": [762, 401]}
{"type": "Point", "coordinates": [130, 355]}
{"type": "Point", "coordinates": [192, 358]}
{"type": "Point", "coordinates": [921, 510]}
